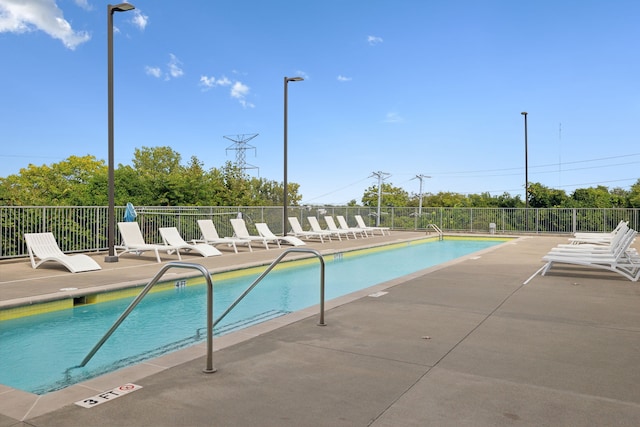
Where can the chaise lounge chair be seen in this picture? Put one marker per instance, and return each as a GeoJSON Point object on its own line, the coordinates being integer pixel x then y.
{"type": "Point", "coordinates": [171, 237]}
{"type": "Point", "coordinates": [361, 224]}
{"type": "Point", "coordinates": [595, 245]}
{"type": "Point", "coordinates": [265, 231]}
{"type": "Point", "coordinates": [133, 242]}
{"type": "Point", "coordinates": [315, 226]}
{"type": "Point", "coordinates": [45, 247]}
{"type": "Point", "coordinates": [618, 258]}
{"type": "Point", "coordinates": [345, 226]}
{"type": "Point", "coordinates": [240, 230]}
{"type": "Point", "coordinates": [600, 238]}
{"type": "Point", "coordinates": [210, 236]}
{"type": "Point", "coordinates": [331, 226]}
{"type": "Point", "coordinates": [297, 231]}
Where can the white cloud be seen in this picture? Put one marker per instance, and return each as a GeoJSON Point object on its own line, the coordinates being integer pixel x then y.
{"type": "Point", "coordinates": [342, 78]}
{"type": "Point", "coordinates": [174, 64]}
{"type": "Point", "coordinates": [154, 71]}
{"type": "Point", "coordinates": [374, 40]}
{"type": "Point", "coordinates": [393, 117]}
{"type": "Point", "coordinates": [19, 16]}
{"type": "Point", "coordinates": [240, 91]}
{"type": "Point", "coordinates": [139, 19]}
{"type": "Point", "coordinates": [84, 4]}
{"type": "Point", "coordinates": [173, 70]}
{"type": "Point", "coordinates": [212, 82]}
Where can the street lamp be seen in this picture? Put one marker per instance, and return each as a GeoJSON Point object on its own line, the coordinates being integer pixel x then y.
{"type": "Point", "coordinates": [284, 185]}
{"type": "Point", "coordinates": [122, 7]}
{"type": "Point", "coordinates": [526, 163]}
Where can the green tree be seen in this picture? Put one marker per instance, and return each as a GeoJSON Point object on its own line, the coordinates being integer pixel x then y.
{"type": "Point", "coordinates": [445, 200]}
{"type": "Point", "coordinates": [507, 201]}
{"type": "Point", "coordinates": [634, 195]}
{"type": "Point", "coordinates": [65, 183]}
{"type": "Point", "coordinates": [156, 161]}
{"type": "Point", "coordinates": [391, 196]}
{"type": "Point", "coordinates": [597, 197]}
{"type": "Point", "coordinates": [541, 196]}
{"type": "Point", "coordinates": [155, 167]}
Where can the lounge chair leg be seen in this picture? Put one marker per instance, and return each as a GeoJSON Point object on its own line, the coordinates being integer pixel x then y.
{"type": "Point", "coordinates": [534, 274]}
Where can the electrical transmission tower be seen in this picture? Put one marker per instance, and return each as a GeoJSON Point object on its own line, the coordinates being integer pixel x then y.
{"type": "Point", "coordinates": [240, 146]}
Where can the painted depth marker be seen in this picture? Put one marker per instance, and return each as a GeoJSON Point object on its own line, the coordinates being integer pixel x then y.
{"type": "Point", "coordinates": [378, 294]}
{"type": "Point", "coordinates": [106, 396]}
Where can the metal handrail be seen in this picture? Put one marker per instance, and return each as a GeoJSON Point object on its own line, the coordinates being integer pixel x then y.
{"type": "Point", "coordinates": [210, 323]}
{"type": "Point", "coordinates": [271, 267]}
{"type": "Point", "coordinates": [437, 230]}
{"type": "Point", "coordinates": [209, 365]}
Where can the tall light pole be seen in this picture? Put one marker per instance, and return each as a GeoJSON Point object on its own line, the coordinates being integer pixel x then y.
{"type": "Point", "coordinates": [526, 163]}
{"type": "Point", "coordinates": [285, 183]}
{"type": "Point", "coordinates": [122, 7]}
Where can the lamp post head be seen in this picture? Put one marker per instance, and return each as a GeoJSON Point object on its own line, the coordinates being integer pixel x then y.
{"type": "Point", "coordinates": [122, 7]}
{"type": "Point", "coordinates": [293, 79]}
{"type": "Point", "coordinates": [524, 113]}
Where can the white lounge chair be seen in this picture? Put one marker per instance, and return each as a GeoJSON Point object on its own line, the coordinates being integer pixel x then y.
{"type": "Point", "coordinates": [171, 237]}
{"type": "Point", "coordinates": [331, 226]}
{"type": "Point", "coordinates": [315, 226]}
{"type": "Point", "coordinates": [597, 246]}
{"type": "Point", "coordinates": [210, 236]}
{"type": "Point", "coordinates": [45, 247]}
{"type": "Point", "coordinates": [297, 231]}
{"type": "Point", "coordinates": [133, 242]}
{"type": "Point", "coordinates": [361, 224]}
{"type": "Point", "coordinates": [240, 231]}
{"type": "Point", "coordinates": [265, 231]}
{"type": "Point", "coordinates": [619, 258]}
{"type": "Point", "coordinates": [342, 222]}
{"type": "Point", "coordinates": [600, 238]}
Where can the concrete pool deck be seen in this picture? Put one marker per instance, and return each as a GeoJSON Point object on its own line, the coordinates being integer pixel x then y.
{"type": "Point", "coordinates": [463, 343]}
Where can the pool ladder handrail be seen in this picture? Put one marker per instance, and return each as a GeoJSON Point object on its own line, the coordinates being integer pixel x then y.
{"type": "Point", "coordinates": [174, 264]}
{"type": "Point", "coordinates": [268, 270]}
{"type": "Point", "coordinates": [210, 323]}
{"type": "Point", "coordinates": [437, 230]}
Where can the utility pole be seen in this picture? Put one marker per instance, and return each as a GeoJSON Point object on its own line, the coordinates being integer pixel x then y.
{"type": "Point", "coordinates": [381, 177]}
{"type": "Point", "coordinates": [420, 177]}
{"type": "Point", "coordinates": [526, 162]}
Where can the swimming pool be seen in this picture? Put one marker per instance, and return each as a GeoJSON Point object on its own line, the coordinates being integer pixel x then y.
{"type": "Point", "coordinates": [38, 353]}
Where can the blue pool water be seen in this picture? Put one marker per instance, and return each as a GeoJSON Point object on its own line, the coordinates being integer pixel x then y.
{"type": "Point", "coordinates": [39, 353]}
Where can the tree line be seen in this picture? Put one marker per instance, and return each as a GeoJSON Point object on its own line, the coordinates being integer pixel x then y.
{"type": "Point", "coordinates": [157, 177]}
{"type": "Point", "coordinates": [540, 196]}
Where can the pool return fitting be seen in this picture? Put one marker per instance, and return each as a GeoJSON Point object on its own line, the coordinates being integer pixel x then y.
{"type": "Point", "coordinates": [210, 322]}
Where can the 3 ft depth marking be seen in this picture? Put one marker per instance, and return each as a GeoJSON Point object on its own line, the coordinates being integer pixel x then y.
{"type": "Point", "coordinates": [106, 396]}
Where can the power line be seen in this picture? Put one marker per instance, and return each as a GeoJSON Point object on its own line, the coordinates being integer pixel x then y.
{"type": "Point", "coordinates": [337, 190]}
{"type": "Point", "coordinates": [540, 166]}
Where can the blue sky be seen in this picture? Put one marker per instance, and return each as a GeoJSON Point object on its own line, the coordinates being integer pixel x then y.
{"type": "Point", "coordinates": [404, 87]}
